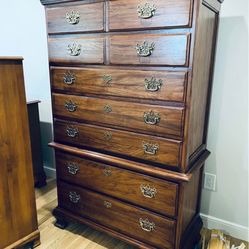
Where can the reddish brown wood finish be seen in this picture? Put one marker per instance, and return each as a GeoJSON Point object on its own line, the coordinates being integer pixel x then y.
{"type": "Point", "coordinates": [123, 83]}
{"type": "Point", "coordinates": [119, 183]}
{"type": "Point", "coordinates": [92, 49]}
{"type": "Point", "coordinates": [120, 142]}
{"type": "Point", "coordinates": [170, 50]}
{"type": "Point", "coordinates": [18, 220]}
{"type": "Point", "coordinates": [121, 114]}
{"type": "Point", "coordinates": [112, 116]}
{"type": "Point", "coordinates": [91, 18]}
{"type": "Point", "coordinates": [118, 216]}
{"type": "Point", "coordinates": [169, 13]}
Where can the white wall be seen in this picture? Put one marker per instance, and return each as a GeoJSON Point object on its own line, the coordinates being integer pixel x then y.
{"type": "Point", "coordinates": [23, 32]}
{"type": "Point", "coordinates": [228, 127]}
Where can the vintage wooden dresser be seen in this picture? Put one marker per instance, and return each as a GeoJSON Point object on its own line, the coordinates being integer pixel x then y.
{"type": "Point", "coordinates": [131, 83]}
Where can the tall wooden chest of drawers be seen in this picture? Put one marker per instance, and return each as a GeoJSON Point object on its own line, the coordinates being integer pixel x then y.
{"type": "Point", "coordinates": [131, 84]}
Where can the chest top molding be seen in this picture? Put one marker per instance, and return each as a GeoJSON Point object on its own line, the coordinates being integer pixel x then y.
{"type": "Point", "coordinates": [47, 2]}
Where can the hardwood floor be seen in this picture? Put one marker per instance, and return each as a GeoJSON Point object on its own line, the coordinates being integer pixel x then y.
{"type": "Point", "coordinates": [75, 236]}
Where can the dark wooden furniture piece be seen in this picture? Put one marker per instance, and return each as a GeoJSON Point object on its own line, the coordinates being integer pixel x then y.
{"type": "Point", "coordinates": [35, 138]}
{"type": "Point", "coordinates": [131, 83]}
{"type": "Point", "coordinates": [18, 219]}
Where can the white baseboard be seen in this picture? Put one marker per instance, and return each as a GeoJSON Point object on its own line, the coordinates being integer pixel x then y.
{"type": "Point", "coordinates": [229, 228]}
{"type": "Point", "coordinates": [50, 172]}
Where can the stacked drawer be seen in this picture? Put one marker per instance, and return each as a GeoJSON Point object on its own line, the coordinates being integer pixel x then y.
{"type": "Point", "coordinates": [119, 73]}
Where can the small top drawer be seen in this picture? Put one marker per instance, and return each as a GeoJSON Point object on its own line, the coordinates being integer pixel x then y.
{"type": "Point", "coordinates": [150, 49]}
{"type": "Point", "coordinates": [77, 18]}
{"type": "Point", "coordinates": [137, 14]}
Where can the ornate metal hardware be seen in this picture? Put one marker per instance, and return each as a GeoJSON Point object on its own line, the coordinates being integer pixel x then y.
{"type": "Point", "coordinates": [70, 106]}
{"type": "Point", "coordinates": [73, 168]}
{"type": "Point", "coordinates": [107, 172]}
{"type": "Point", "coordinates": [107, 109]}
{"type": "Point", "coordinates": [107, 204]}
{"type": "Point", "coordinates": [69, 78]}
{"type": "Point", "coordinates": [107, 79]}
{"type": "Point", "coordinates": [151, 118]}
{"type": "Point", "coordinates": [74, 197]}
{"type": "Point", "coordinates": [146, 11]}
{"type": "Point", "coordinates": [148, 191]}
{"type": "Point", "coordinates": [73, 17]}
{"type": "Point", "coordinates": [153, 85]}
{"type": "Point", "coordinates": [107, 135]}
{"type": "Point", "coordinates": [72, 132]}
{"type": "Point", "coordinates": [150, 149]}
{"type": "Point", "coordinates": [74, 49]}
{"type": "Point", "coordinates": [145, 49]}
{"type": "Point", "coordinates": [146, 225]}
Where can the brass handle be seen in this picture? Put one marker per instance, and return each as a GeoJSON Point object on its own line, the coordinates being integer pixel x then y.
{"type": "Point", "coordinates": [152, 85]}
{"type": "Point", "coordinates": [107, 135]}
{"type": "Point", "coordinates": [107, 79]}
{"type": "Point", "coordinates": [74, 197]}
{"type": "Point", "coordinates": [72, 132]}
{"type": "Point", "coordinates": [148, 191]}
{"type": "Point", "coordinates": [73, 168]}
{"type": "Point", "coordinates": [73, 17]}
{"type": "Point", "coordinates": [107, 172]}
{"type": "Point", "coordinates": [74, 49]}
{"type": "Point", "coordinates": [146, 225]}
{"type": "Point", "coordinates": [150, 149]}
{"type": "Point", "coordinates": [145, 49]}
{"type": "Point", "coordinates": [69, 78]}
{"type": "Point", "coordinates": [70, 106]}
{"type": "Point", "coordinates": [146, 11]}
{"type": "Point", "coordinates": [107, 204]}
{"type": "Point", "coordinates": [107, 109]}
{"type": "Point", "coordinates": [151, 118]}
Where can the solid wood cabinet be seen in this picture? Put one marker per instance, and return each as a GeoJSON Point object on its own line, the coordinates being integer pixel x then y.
{"type": "Point", "coordinates": [18, 219]}
{"type": "Point", "coordinates": [131, 86]}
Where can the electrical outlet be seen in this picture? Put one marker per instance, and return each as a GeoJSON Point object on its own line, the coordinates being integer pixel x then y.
{"type": "Point", "coordinates": [209, 181]}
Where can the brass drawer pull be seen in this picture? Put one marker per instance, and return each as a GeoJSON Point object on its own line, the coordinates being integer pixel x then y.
{"type": "Point", "coordinates": [148, 191]}
{"type": "Point", "coordinates": [150, 149]}
{"type": "Point", "coordinates": [146, 225]}
{"type": "Point", "coordinates": [151, 118]}
{"type": "Point", "coordinates": [70, 106]}
{"type": "Point", "coordinates": [74, 49]}
{"type": "Point", "coordinates": [107, 135]}
{"type": "Point", "coordinates": [107, 109]}
{"type": "Point", "coordinates": [107, 204]}
{"type": "Point", "coordinates": [107, 80]}
{"type": "Point", "coordinates": [107, 172]}
{"type": "Point", "coordinates": [153, 85]}
{"type": "Point", "coordinates": [73, 168]}
{"type": "Point", "coordinates": [146, 11]}
{"type": "Point", "coordinates": [145, 49]}
{"type": "Point", "coordinates": [72, 132]}
{"type": "Point", "coordinates": [73, 17]}
{"type": "Point", "coordinates": [74, 197]}
{"type": "Point", "coordinates": [69, 78]}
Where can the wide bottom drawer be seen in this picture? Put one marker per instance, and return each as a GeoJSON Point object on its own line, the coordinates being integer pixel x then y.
{"type": "Point", "coordinates": [127, 219]}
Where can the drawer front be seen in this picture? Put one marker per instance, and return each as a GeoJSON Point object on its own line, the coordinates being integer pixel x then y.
{"type": "Point", "coordinates": [137, 14]}
{"type": "Point", "coordinates": [139, 224]}
{"type": "Point", "coordinates": [77, 18]}
{"type": "Point", "coordinates": [77, 49]}
{"type": "Point", "coordinates": [144, 147]}
{"type": "Point", "coordinates": [149, 192]}
{"type": "Point", "coordinates": [146, 118]}
{"type": "Point", "coordinates": [154, 85]}
{"type": "Point", "coordinates": [149, 49]}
